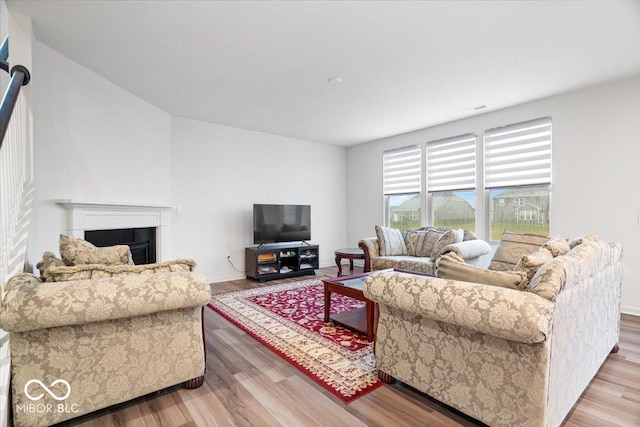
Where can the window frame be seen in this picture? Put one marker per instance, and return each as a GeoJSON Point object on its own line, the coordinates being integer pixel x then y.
{"type": "Point", "coordinates": [540, 177]}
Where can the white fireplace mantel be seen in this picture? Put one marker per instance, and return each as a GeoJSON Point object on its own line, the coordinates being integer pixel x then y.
{"type": "Point", "coordinates": [84, 216]}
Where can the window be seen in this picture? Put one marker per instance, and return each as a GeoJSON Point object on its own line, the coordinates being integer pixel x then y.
{"type": "Point", "coordinates": [518, 177]}
{"type": "Point", "coordinates": [514, 171]}
{"type": "Point", "coordinates": [451, 181]}
{"type": "Point", "coordinates": [402, 175]}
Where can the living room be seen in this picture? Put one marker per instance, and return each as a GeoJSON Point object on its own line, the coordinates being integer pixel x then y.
{"type": "Point", "coordinates": [96, 141]}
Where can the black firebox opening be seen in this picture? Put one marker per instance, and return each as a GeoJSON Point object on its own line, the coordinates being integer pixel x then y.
{"type": "Point", "coordinates": [142, 241]}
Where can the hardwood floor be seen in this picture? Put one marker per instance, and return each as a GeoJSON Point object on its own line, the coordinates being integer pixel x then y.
{"type": "Point", "coordinates": [248, 385]}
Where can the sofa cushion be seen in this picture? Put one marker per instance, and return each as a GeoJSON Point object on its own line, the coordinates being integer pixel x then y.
{"type": "Point", "coordinates": [451, 266]}
{"type": "Point", "coordinates": [448, 238]}
{"type": "Point", "coordinates": [513, 247]}
{"type": "Point", "coordinates": [98, 271]}
{"type": "Point", "coordinates": [48, 260]}
{"type": "Point", "coordinates": [529, 264]}
{"type": "Point", "coordinates": [75, 251]}
{"type": "Point", "coordinates": [391, 241]}
{"type": "Point", "coordinates": [403, 262]}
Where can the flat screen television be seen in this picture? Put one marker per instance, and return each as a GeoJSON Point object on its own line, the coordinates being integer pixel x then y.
{"type": "Point", "coordinates": [281, 223]}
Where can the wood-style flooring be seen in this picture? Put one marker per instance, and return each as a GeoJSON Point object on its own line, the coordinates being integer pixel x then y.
{"type": "Point", "coordinates": [248, 385]}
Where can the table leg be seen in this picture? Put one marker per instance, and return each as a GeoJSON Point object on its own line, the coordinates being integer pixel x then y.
{"type": "Point", "coordinates": [339, 264]}
{"type": "Point", "coordinates": [327, 304]}
{"type": "Point", "coordinates": [351, 266]}
{"type": "Point", "coordinates": [370, 318]}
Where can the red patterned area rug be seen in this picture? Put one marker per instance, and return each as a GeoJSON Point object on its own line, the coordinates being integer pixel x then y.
{"type": "Point", "coordinates": [289, 319]}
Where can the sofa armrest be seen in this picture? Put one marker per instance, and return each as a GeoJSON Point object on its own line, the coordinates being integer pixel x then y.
{"type": "Point", "coordinates": [500, 312]}
{"type": "Point", "coordinates": [31, 306]}
{"type": "Point", "coordinates": [371, 248]}
{"type": "Point", "coordinates": [468, 250]}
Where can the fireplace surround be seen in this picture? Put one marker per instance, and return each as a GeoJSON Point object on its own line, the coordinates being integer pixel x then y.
{"type": "Point", "coordinates": [89, 216]}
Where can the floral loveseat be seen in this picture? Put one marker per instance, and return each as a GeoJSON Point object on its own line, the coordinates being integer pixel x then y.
{"type": "Point", "coordinates": [100, 334]}
{"type": "Point", "coordinates": [503, 355]}
{"type": "Point", "coordinates": [419, 249]}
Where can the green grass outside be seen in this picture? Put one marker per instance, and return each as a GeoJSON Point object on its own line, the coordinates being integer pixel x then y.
{"type": "Point", "coordinates": [465, 225]}
{"type": "Point", "coordinates": [498, 229]}
{"type": "Point", "coordinates": [405, 224]}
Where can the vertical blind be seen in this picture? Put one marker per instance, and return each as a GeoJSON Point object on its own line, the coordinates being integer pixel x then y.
{"type": "Point", "coordinates": [518, 154]}
{"type": "Point", "coordinates": [451, 163]}
{"type": "Point", "coordinates": [402, 170]}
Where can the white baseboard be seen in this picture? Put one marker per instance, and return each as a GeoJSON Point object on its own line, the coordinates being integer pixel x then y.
{"type": "Point", "coordinates": [634, 311]}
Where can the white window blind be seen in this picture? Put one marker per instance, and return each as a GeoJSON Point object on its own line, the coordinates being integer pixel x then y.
{"type": "Point", "coordinates": [518, 154]}
{"type": "Point", "coordinates": [451, 163]}
{"type": "Point", "coordinates": [402, 170]}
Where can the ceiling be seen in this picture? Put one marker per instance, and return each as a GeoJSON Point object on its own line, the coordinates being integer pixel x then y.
{"type": "Point", "coordinates": [266, 66]}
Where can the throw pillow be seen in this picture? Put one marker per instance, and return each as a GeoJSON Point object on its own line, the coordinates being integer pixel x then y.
{"type": "Point", "coordinates": [469, 235]}
{"type": "Point", "coordinates": [579, 240]}
{"type": "Point", "coordinates": [391, 241]}
{"type": "Point", "coordinates": [421, 240]}
{"type": "Point", "coordinates": [75, 251]}
{"type": "Point", "coordinates": [452, 267]}
{"type": "Point", "coordinates": [445, 240]}
{"type": "Point", "coordinates": [98, 271]}
{"type": "Point", "coordinates": [529, 264]}
{"type": "Point", "coordinates": [557, 246]}
{"type": "Point", "coordinates": [459, 232]}
{"type": "Point", "coordinates": [513, 247]}
{"type": "Point", "coordinates": [415, 242]}
{"type": "Point", "coordinates": [48, 260]}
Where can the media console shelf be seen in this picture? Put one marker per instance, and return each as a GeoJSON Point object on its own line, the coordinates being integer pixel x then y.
{"type": "Point", "coordinates": [277, 261]}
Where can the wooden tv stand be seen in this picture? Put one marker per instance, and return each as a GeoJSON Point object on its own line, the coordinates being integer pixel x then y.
{"type": "Point", "coordinates": [280, 260]}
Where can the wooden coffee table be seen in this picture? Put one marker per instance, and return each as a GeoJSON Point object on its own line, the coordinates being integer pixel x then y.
{"type": "Point", "coordinates": [362, 319]}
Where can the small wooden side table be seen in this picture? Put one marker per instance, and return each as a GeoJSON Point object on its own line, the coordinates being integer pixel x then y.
{"type": "Point", "coordinates": [350, 254]}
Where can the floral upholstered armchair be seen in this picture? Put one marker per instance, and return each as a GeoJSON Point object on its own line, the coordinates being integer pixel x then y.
{"type": "Point", "coordinates": [94, 335]}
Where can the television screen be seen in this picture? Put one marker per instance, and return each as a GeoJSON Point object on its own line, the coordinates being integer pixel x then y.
{"type": "Point", "coordinates": [281, 223]}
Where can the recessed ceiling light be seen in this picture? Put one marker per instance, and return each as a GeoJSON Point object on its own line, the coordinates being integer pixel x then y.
{"type": "Point", "coordinates": [334, 80]}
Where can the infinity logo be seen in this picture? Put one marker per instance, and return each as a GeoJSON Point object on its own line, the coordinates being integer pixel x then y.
{"type": "Point", "coordinates": [51, 393]}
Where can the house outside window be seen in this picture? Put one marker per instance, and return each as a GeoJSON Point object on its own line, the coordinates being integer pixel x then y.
{"type": "Point", "coordinates": [404, 211]}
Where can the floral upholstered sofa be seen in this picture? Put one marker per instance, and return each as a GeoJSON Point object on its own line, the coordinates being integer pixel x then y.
{"type": "Point", "coordinates": [505, 355]}
{"type": "Point", "coordinates": [419, 249]}
{"type": "Point", "coordinates": [94, 335]}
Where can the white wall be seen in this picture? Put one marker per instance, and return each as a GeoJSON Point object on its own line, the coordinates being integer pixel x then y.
{"type": "Point", "coordinates": [94, 142]}
{"type": "Point", "coordinates": [596, 168]}
{"type": "Point", "coordinates": [219, 172]}
{"type": "Point", "coordinates": [4, 30]}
